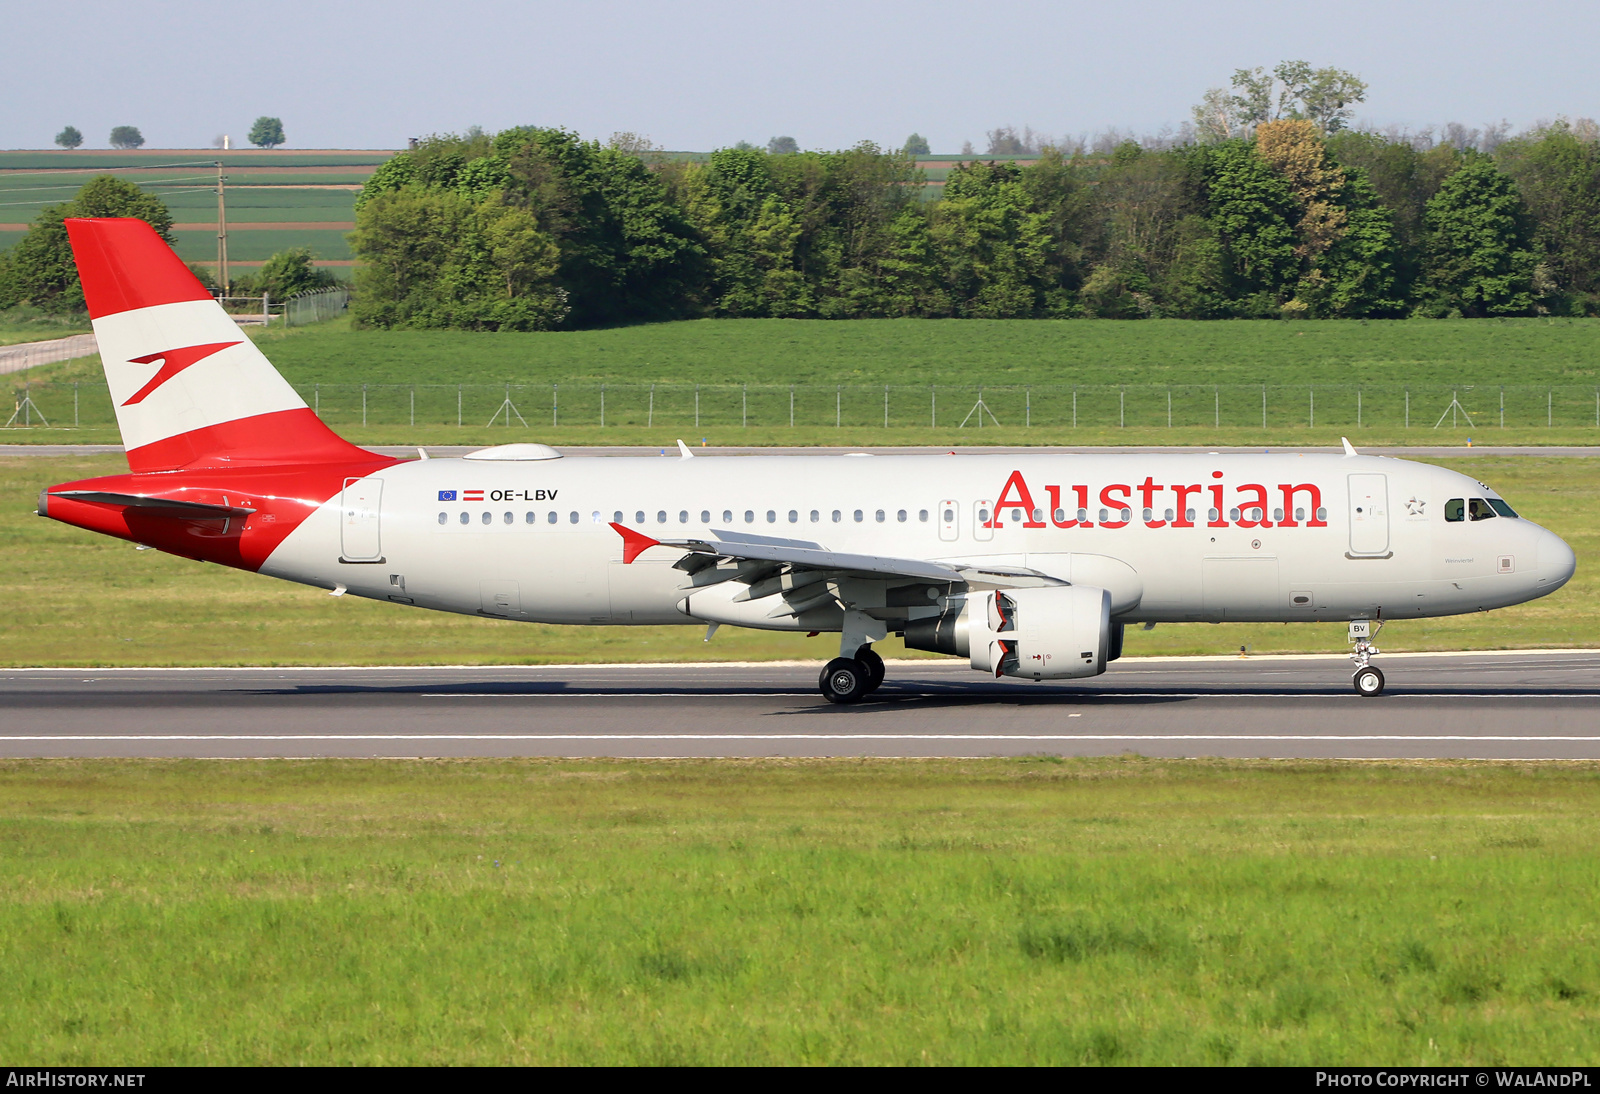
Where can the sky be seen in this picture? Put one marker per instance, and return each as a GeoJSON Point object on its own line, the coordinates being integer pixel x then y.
{"type": "Point", "coordinates": [701, 74]}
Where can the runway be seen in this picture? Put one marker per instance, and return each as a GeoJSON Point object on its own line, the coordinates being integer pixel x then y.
{"type": "Point", "coordinates": [1516, 705]}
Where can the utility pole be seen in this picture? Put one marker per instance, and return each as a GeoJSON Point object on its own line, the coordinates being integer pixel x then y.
{"type": "Point", "coordinates": [222, 235]}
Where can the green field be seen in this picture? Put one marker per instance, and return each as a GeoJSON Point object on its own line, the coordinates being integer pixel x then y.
{"type": "Point", "coordinates": [1121, 382]}
{"type": "Point", "coordinates": [826, 912]}
{"type": "Point", "coordinates": [74, 598]}
{"type": "Point", "coordinates": [258, 245]}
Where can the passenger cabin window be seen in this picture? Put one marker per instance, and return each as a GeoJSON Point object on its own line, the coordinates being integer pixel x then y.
{"type": "Point", "coordinates": [922, 515]}
{"type": "Point", "coordinates": [1455, 509]}
{"type": "Point", "coordinates": [705, 516]}
{"type": "Point", "coordinates": [465, 519]}
{"type": "Point", "coordinates": [509, 518]}
{"type": "Point", "coordinates": [661, 516]}
{"type": "Point", "coordinates": [550, 519]}
{"type": "Point", "coordinates": [772, 516]}
{"type": "Point", "coordinates": [815, 516]}
{"type": "Point", "coordinates": [638, 517]}
{"type": "Point", "coordinates": [900, 515]}
{"type": "Point", "coordinates": [617, 517]}
{"type": "Point", "coordinates": [794, 516]}
{"type": "Point", "coordinates": [749, 516]}
{"type": "Point", "coordinates": [727, 516]}
{"type": "Point", "coordinates": [859, 515]}
{"type": "Point", "coordinates": [1478, 509]}
{"type": "Point", "coordinates": [837, 516]}
{"type": "Point", "coordinates": [444, 518]}
{"type": "Point", "coordinates": [574, 517]}
{"type": "Point", "coordinates": [683, 516]}
{"type": "Point", "coordinates": [878, 516]}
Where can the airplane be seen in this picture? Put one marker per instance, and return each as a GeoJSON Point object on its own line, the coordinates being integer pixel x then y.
{"type": "Point", "coordinates": [1028, 566]}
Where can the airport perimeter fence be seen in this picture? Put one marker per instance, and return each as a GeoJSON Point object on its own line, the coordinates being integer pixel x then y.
{"type": "Point", "coordinates": [696, 409]}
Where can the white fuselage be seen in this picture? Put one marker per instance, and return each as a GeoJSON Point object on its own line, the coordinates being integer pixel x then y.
{"type": "Point", "coordinates": [1296, 537]}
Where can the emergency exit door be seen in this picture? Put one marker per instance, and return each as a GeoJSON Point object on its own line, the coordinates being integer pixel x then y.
{"type": "Point", "coordinates": [359, 507]}
{"type": "Point", "coordinates": [1369, 516]}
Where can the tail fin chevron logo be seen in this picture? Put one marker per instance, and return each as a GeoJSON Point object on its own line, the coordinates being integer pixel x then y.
{"type": "Point", "coordinates": [173, 361]}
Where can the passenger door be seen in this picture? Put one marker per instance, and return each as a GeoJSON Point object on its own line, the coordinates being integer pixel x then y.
{"type": "Point", "coordinates": [1369, 516]}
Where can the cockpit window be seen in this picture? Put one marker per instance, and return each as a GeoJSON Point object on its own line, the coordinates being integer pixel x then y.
{"type": "Point", "coordinates": [1478, 509]}
{"type": "Point", "coordinates": [1502, 508]}
{"type": "Point", "coordinates": [1455, 509]}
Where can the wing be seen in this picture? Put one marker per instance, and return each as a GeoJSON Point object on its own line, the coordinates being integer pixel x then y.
{"type": "Point", "coordinates": [770, 565]}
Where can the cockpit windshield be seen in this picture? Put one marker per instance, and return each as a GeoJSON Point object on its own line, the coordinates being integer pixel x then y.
{"type": "Point", "coordinates": [1502, 508]}
{"type": "Point", "coordinates": [1458, 509]}
{"type": "Point", "coordinates": [1478, 509]}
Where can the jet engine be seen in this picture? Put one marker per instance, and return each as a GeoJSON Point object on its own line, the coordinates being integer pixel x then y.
{"type": "Point", "coordinates": [1054, 633]}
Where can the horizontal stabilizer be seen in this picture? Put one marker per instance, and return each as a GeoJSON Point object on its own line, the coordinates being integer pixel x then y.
{"type": "Point", "coordinates": [191, 510]}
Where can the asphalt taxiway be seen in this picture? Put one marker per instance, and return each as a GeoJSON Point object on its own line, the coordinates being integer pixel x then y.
{"type": "Point", "coordinates": [1512, 705]}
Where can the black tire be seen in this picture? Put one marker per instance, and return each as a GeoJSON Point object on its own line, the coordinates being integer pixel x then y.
{"type": "Point", "coordinates": [874, 666]}
{"type": "Point", "coordinates": [843, 680]}
{"type": "Point", "coordinates": [1368, 681]}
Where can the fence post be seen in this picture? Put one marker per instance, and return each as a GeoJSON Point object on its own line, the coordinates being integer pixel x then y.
{"type": "Point", "coordinates": [886, 406]}
{"type": "Point", "coordinates": [1027, 421]}
{"type": "Point", "coordinates": [650, 417]}
{"type": "Point", "coordinates": [602, 406]}
{"type": "Point", "coordinates": [744, 407]}
{"type": "Point", "coordinates": [838, 405]}
{"type": "Point", "coordinates": [75, 405]}
{"type": "Point", "coordinates": [316, 399]}
{"type": "Point", "coordinates": [1408, 406]}
{"type": "Point", "coordinates": [1358, 406]}
{"type": "Point", "coordinates": [1216, 406]}
{"type": "Point", "coordinates": [1502, 406]}
{"type": "Point", "coordinates": [933, 406]}
{"type": "Point", "coordinates": [1169, 406]}
{"type": "Point", "coordinates": [791, 406]}
{"type": "Point", "coordinates": [1549, 407]}
{"type": "Point", "coordinates": [363, 405]}
{"type": "Point", "coordinates": [1263, 406]}
{"type": "Point", "coordinates": [1312, 422]}
{"type": "Point", "coordinates": [1074, 406]}
{"type": "Point", "coordinates": [555, 406]}
{"type": "Point", "coordinates": [697, 406]}
{"type": "Point", "coordinates": [413, 406]}
{"type": "Point", "coordinates": [1122, 407]}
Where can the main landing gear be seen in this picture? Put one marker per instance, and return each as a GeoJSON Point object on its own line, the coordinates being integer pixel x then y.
{"type": "Point", "coordinates": [1368, 679]}
{"type": "Point", "coordinates": [846, 679]}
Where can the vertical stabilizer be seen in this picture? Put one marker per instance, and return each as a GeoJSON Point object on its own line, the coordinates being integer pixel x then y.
{"type": "Point", "coordinates": [190, 390]}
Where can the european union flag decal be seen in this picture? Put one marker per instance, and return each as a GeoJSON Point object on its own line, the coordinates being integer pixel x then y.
{"type": "Point", "coordinates": [447, 495]}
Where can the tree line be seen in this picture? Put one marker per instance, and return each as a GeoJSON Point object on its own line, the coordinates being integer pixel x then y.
{"type": "Point", "coordinates": [535, 228]}
{"type": "Point", "coordinates": [1283, 215]}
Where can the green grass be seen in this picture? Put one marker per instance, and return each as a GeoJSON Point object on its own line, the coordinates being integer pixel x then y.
{"type": "Point", "coordinates": [258, 245]}
{"type": "Point", "coordinates": [25, 324]}
{"type": "Point", "coordinates": [835, 912]}
{"type": "Point", "coordinates": [74, 598]}
{"type": "Point", "coordinates": [1321, 380]}
{"type": "Point", "coordinates": [966, 352]}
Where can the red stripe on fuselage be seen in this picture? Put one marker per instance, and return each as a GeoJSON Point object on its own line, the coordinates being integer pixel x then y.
{"type": "Point", "coordinates": [282, 497]}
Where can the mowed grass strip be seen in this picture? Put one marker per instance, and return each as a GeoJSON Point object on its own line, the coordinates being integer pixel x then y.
{"type": "Point", "coordinates": [830, 912]}
{"type": "Point", "coordinates": [75, 598]}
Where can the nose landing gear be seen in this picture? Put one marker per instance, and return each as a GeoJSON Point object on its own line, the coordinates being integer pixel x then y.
{"type": "Point", "coordinates": [1368, 679]}
{"type": "Point", "coordinates": [847, 679]}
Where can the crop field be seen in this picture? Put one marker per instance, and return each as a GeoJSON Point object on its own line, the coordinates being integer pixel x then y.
{"type": "Point", "coordinates": [74, 598]}
{"type": "Point", "coordinates": [827, 912]}
{"type": "Point", "coordinates": [289, 187]}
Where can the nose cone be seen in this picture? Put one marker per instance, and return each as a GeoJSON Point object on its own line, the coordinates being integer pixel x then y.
{"type": "Point", "coordinates": [1557, 562]}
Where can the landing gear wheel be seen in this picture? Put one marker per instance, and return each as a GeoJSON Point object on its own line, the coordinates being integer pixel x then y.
{"type": "Point", "coordinates": [874, 666]}
{"type": "Point", "coordinates": [843, 680]}
{"type": "Point", "coordinates": [1368, 681]}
